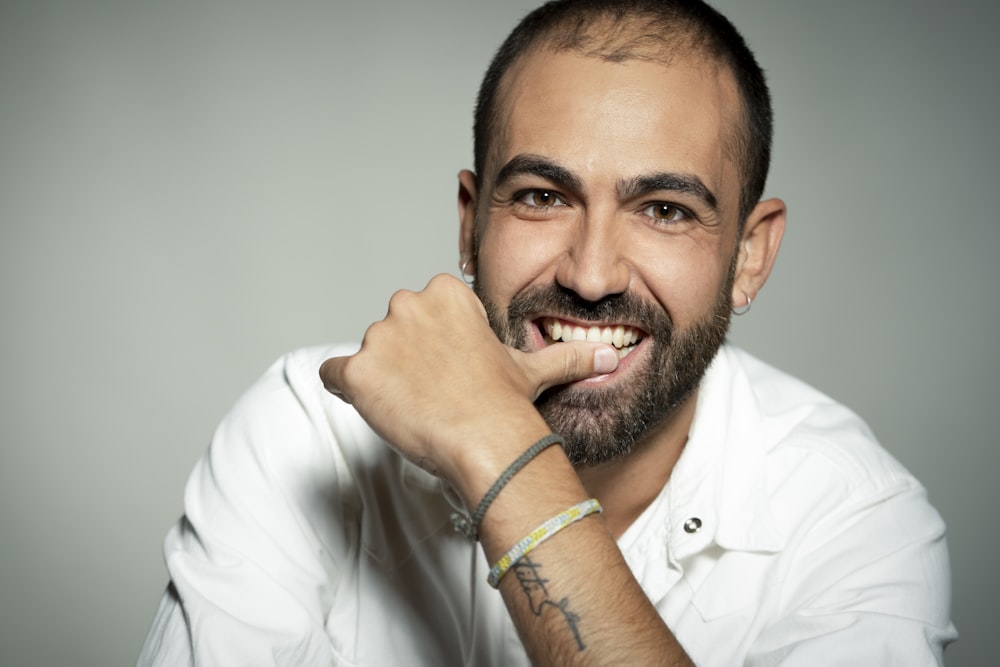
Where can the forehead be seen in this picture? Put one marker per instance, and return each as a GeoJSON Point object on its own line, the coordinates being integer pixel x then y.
{"type": "Point", "coordinates": [614, 120]}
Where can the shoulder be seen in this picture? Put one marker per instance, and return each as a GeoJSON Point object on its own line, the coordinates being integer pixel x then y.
{"type": "Point", "coordinates": [797, 425]}
{"type": "Point", "coordinates": [807, 465]}
{"type": "Point", "coordinates": [849, 517]}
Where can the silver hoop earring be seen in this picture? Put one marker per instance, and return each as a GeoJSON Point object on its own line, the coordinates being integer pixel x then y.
{"type": "Point", "coordinates": [463, 264]}
{"type": "Point", "coordinates": [745, 309]}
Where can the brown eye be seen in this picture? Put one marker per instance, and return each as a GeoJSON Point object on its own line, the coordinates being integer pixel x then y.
{"type": "Point", "coordinates": [663, 212]}
{"type": "Point", "coordinates": [538, 202]}
{"type": "Point", "coordinates": [542, 198]}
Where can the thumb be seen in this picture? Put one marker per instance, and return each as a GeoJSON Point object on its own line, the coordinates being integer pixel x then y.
{"type": "Point", "coordinates": [560, 363]}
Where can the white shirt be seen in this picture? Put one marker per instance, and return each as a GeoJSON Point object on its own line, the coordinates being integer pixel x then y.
{"type": "Point", "coordinates": [785, 535]}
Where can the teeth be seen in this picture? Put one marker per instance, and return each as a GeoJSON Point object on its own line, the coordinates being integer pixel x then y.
{"type": "Point", "coordinates": [620, 336]}
{"type": "Point", "coordinates": [555, 330]}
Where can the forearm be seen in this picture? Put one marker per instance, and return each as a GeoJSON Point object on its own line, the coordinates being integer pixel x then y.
{"type": "Point", "coordinates": [573, 599]}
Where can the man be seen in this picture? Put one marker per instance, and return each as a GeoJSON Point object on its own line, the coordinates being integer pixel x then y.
{"type": "Point", "coordinates": [704, 508]}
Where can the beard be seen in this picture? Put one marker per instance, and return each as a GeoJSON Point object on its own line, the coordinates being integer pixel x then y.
{"type": "Point", "coordinates": [600, 423]}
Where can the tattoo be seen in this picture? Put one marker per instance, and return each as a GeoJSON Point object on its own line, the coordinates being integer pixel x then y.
{"type": "Point", "coordinates": [533, 586]}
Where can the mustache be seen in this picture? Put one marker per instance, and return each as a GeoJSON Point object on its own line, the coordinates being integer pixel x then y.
{"type": "Point", "coordinates": [558, 300]}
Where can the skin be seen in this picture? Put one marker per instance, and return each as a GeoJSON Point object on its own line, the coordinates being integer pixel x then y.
{"type": "Point", "coordinates": [434, 359]}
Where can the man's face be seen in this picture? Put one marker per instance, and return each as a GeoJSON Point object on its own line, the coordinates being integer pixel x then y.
{"type": "Point", "coordinates": [610, 212]}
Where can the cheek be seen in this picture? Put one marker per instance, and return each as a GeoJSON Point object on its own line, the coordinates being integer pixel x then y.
{"type": "Point", "coordinates": [685, 280]}
{"type": "Point", "coordinates": [513, 256]}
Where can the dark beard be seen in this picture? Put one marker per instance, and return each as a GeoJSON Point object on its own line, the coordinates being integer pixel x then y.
{"type": "Point", "coordinates": [601, 424]}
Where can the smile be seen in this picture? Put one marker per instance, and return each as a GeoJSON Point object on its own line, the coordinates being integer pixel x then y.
{"type": "Point", "coordinates": [624, 338]}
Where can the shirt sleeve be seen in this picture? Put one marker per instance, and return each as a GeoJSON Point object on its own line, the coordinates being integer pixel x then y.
{"type": "Point", "coordinates": [253, 562]}
{"type": "Point", "coordinates": [870, 586]}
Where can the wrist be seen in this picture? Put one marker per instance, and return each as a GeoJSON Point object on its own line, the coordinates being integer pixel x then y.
{"type": "Point", "coordinates": [469, 525]}
{"type": "Point", "coordinates": [483, 457]}
{"type": "Point", "coordinates": [543, 488]}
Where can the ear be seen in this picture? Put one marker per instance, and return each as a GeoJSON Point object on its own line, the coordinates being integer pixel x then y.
{"type": "Point", "coordinates": [467, 202]}
{"type": "Point", "coordinates": [758, 249]}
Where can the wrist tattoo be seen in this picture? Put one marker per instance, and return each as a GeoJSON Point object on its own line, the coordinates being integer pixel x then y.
{"type": "Point", "coordinates": [533, 586]}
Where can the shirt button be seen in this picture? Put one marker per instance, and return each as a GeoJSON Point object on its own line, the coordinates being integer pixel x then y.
{"type": "Point", "coordinates": [692, 525]}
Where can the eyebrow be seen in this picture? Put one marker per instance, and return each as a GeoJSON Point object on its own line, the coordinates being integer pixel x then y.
{"type": "Point", "coordinates": [536, 165]}
{"type": "Point", "coordinates": [672, 182]}
{"type": "Point", "coordinates": [527, 164]}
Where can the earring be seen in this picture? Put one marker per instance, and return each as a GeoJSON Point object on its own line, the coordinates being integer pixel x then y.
{"type": "Point", "coordinates": [745, 309]}
{"type": "Point", "coordinates": [463, 264]}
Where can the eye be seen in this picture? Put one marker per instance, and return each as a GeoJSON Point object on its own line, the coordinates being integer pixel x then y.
{"type": "Point", "coordinates": [662, 212]}
{"type": "Point", "coordinates": [539, 198]}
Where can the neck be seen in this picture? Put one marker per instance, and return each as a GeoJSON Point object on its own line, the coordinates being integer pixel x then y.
{"type": "Point", "coordinates": [626, 486]}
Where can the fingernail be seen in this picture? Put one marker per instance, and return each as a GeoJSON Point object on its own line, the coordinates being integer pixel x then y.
{"type": "Point", "coordinates": [605, 360]}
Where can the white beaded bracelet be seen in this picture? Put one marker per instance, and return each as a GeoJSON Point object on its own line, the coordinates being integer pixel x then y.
{"type": "Point", "coordinates": [539, 535]}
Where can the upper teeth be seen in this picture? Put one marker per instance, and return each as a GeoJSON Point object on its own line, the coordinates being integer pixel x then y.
{"type": "Point", "coordinates": [619, 335]}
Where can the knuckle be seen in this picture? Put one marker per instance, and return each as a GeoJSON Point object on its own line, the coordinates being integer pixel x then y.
{"type": "Point", "coordinates": [354, 376]}
{"type": "Point", "coordinates": [373, 334]}
{"type": "Point", "coordinates": [441, 280]}
{"type": "Point", "coordinates": [347, 373]}
{"type": "Point", "coordinates": [336, 377]}
{"type": "Point", "coordinates": [448, 281]}
{"type": "Point", "coordinates": [400, 299]}
{"type": "Point", "coordinates": [576, 361]}
{"type": "Point", "coordinates": [571, 364]}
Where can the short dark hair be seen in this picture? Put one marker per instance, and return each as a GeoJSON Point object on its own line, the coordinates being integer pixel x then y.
{"type": "Point", "coordinates": [640, 29]}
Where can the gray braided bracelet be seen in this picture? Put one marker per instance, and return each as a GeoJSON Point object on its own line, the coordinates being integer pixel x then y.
{"type": "Point", "coordinates": [470, 527]}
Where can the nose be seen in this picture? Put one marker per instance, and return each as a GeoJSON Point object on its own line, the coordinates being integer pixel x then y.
{"type": "Point", "coordinates": [594, 265]}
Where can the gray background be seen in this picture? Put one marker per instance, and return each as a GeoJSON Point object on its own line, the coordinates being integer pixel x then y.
{"type": "Point", "coordinates": [189, 189]}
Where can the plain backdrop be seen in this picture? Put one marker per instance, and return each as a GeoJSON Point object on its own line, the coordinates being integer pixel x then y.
{"type": "Point", "coordinates": [189, 189]}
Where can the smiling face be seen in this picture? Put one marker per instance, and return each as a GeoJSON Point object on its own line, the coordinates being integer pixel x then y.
{"type": "Point", "coordinates": [609, 211]}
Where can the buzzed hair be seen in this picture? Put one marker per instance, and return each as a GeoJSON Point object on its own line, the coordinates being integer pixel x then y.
{"type": "Point", "coordinates": [656, 30]}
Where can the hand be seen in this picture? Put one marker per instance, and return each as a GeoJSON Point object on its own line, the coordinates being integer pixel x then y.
{"type": "Point", "coordinates": [433, 379]}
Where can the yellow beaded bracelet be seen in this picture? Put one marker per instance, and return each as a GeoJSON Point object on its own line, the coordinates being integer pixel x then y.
{"type": "Point", "coordinates": [539, 535]}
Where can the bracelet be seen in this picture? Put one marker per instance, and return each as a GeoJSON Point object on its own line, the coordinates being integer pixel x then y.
{"type": "Point", "coordinates": [539, 535]}
{"type": "Point", "coordinates": [470, 527]}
